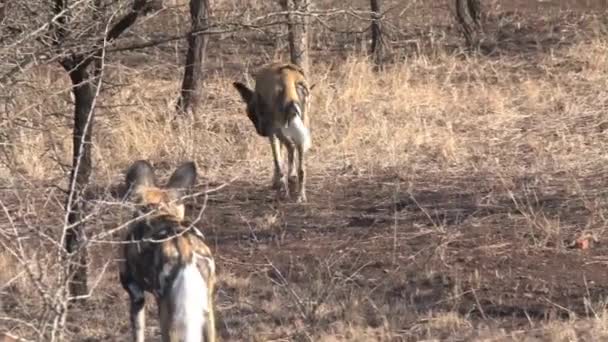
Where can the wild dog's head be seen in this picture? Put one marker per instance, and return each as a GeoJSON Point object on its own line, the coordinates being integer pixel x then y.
{"type": "Point", "coordinates": [252, 101]}
{"type": "Point", "coordinates": [279, 88]}
{"type": "Point", "coordinates": [143, 190]}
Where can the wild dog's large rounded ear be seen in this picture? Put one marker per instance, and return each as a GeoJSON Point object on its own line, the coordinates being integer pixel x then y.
{"type": "Point", "coordinates": [140, 173]}
{"type": "Point", "coordinates": [184, 177]}
{"type": "Point", "coordinates": [246, 93]}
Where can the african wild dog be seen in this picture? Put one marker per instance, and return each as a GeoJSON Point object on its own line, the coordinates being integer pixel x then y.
{"type": "Point", "coordinates": [167, 257]}
{"type": "Point", "coordinates": [278, 109]}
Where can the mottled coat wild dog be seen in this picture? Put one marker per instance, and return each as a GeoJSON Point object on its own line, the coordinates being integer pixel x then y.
{"type": "Point", "coordinates": [168, 258]}
{"type": "Point", "coordinates": [277, 107]}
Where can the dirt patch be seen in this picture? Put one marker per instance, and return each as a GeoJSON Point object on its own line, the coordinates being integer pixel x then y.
{"type": "Point", "coordinates": [426, 251]}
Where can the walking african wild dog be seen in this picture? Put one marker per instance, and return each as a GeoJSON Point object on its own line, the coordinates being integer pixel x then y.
{"type": "Point", "coordinates": [168, 258]}
{"type": "Point", "coordinates": [278, 109]}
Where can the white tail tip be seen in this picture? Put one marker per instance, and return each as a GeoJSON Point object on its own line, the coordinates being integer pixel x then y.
{"type": "Point", "coordinates": [299, 133]}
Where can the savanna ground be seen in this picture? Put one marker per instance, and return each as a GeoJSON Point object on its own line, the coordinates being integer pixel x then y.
{"type": "Point", "coordinates": [445, 192]}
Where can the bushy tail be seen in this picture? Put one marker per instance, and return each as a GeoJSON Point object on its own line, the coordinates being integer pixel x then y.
{"type": "Point", "coordinates": [189, 295]}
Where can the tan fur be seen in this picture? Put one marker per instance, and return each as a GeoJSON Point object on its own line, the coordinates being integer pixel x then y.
{"type": "Point", "coordinates": [163, 199]}
{"type": "Point", "coordinates": [270, 106]}
{"type": "Point", "coordinates": [269, 84]}
{"type": "Point", "coordinates": [6, 337]}
{"type": "Point", "coordinates": [162, 242]}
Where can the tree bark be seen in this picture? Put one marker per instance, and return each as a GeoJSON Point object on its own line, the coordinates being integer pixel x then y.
{"type": "Point", "coordinates": [84, 90]}
{"type": "Point", "coordinates": [468, 14]}
{"type": "Point", "coordinates": [297, 32]}
{"type": "Point", "coordinates": [195, 58]}
{"type": "Point", "coordinates": [475, 10]}
{"type": "Point", "coordinates": [3, 6]}
{"type": "Point", "coordinates": [377, 43]}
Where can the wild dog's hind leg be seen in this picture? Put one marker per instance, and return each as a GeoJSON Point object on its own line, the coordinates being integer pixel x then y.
{"type": "Point", "coordinates": [292, 175]}
{"type": "Point", "coordinates": [301, 175]}
{"type": "Point", "coordinates": [279, 181]}
{"type": "Point", "coordinates": [291, 163]}
{"type": "Point", "coordinates": [137, 312]}
{"type": "Point", "coordinates": [164, 315]}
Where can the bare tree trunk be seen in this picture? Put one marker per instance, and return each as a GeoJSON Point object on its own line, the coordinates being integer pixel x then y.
{"type": "Point", "coordinates": [195, 58]}
{"type": "Point", "coordinates": [3, 6]}
{"type": "Point", "coordinates": [297, 30]}
{"type": "Point", "coordinates": [84, 91]}
{"type": "Point", "coordinates": [377, 43]}
{"type": "Point", "coordinates": [84, 96]}
{"type": "Point", "coordinates": [468, 13]}
{"type": "Point", "coordinates": [475, 10]}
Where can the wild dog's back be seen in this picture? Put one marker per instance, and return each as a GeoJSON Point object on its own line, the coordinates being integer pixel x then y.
{"type": "Point", "coordinates": [277, 84]}
{"type": "Point", "coordinates": [168, 258]}
{"type": "Point", "coordinates": [160, 243]}
{"type": "Point", "coordinates": [172, 261]}
{"type": "Point", "coordinates": [284, 90]}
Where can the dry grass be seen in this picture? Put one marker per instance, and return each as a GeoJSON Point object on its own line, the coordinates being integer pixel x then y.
{"type": "Point", "coordinates": [444, 191]}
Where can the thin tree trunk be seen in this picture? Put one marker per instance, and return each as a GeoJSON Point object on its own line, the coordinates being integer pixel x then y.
{"type": "Point", "coordinates": [3, 6]}
{"type": "Point", "coordinates": [377, 43]}
{"type": "Point", "coordinates": [195, 58]}
{"type": "Point", "coordinates": [297, 31]}
{"type": "Point", "coordinates": [84, 91]}
{"type": "Point", "coordinates": [84, 95]}
{"type": "Point", "coordinates": [468, 13]}
{"type": "Point", "coordinates": [475, 11]}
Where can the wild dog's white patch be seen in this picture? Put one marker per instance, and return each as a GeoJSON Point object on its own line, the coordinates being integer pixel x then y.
{"type": "Point", "coordinates": [189, 295]}
{"type": "Point", "coordinates": [299, 133]}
